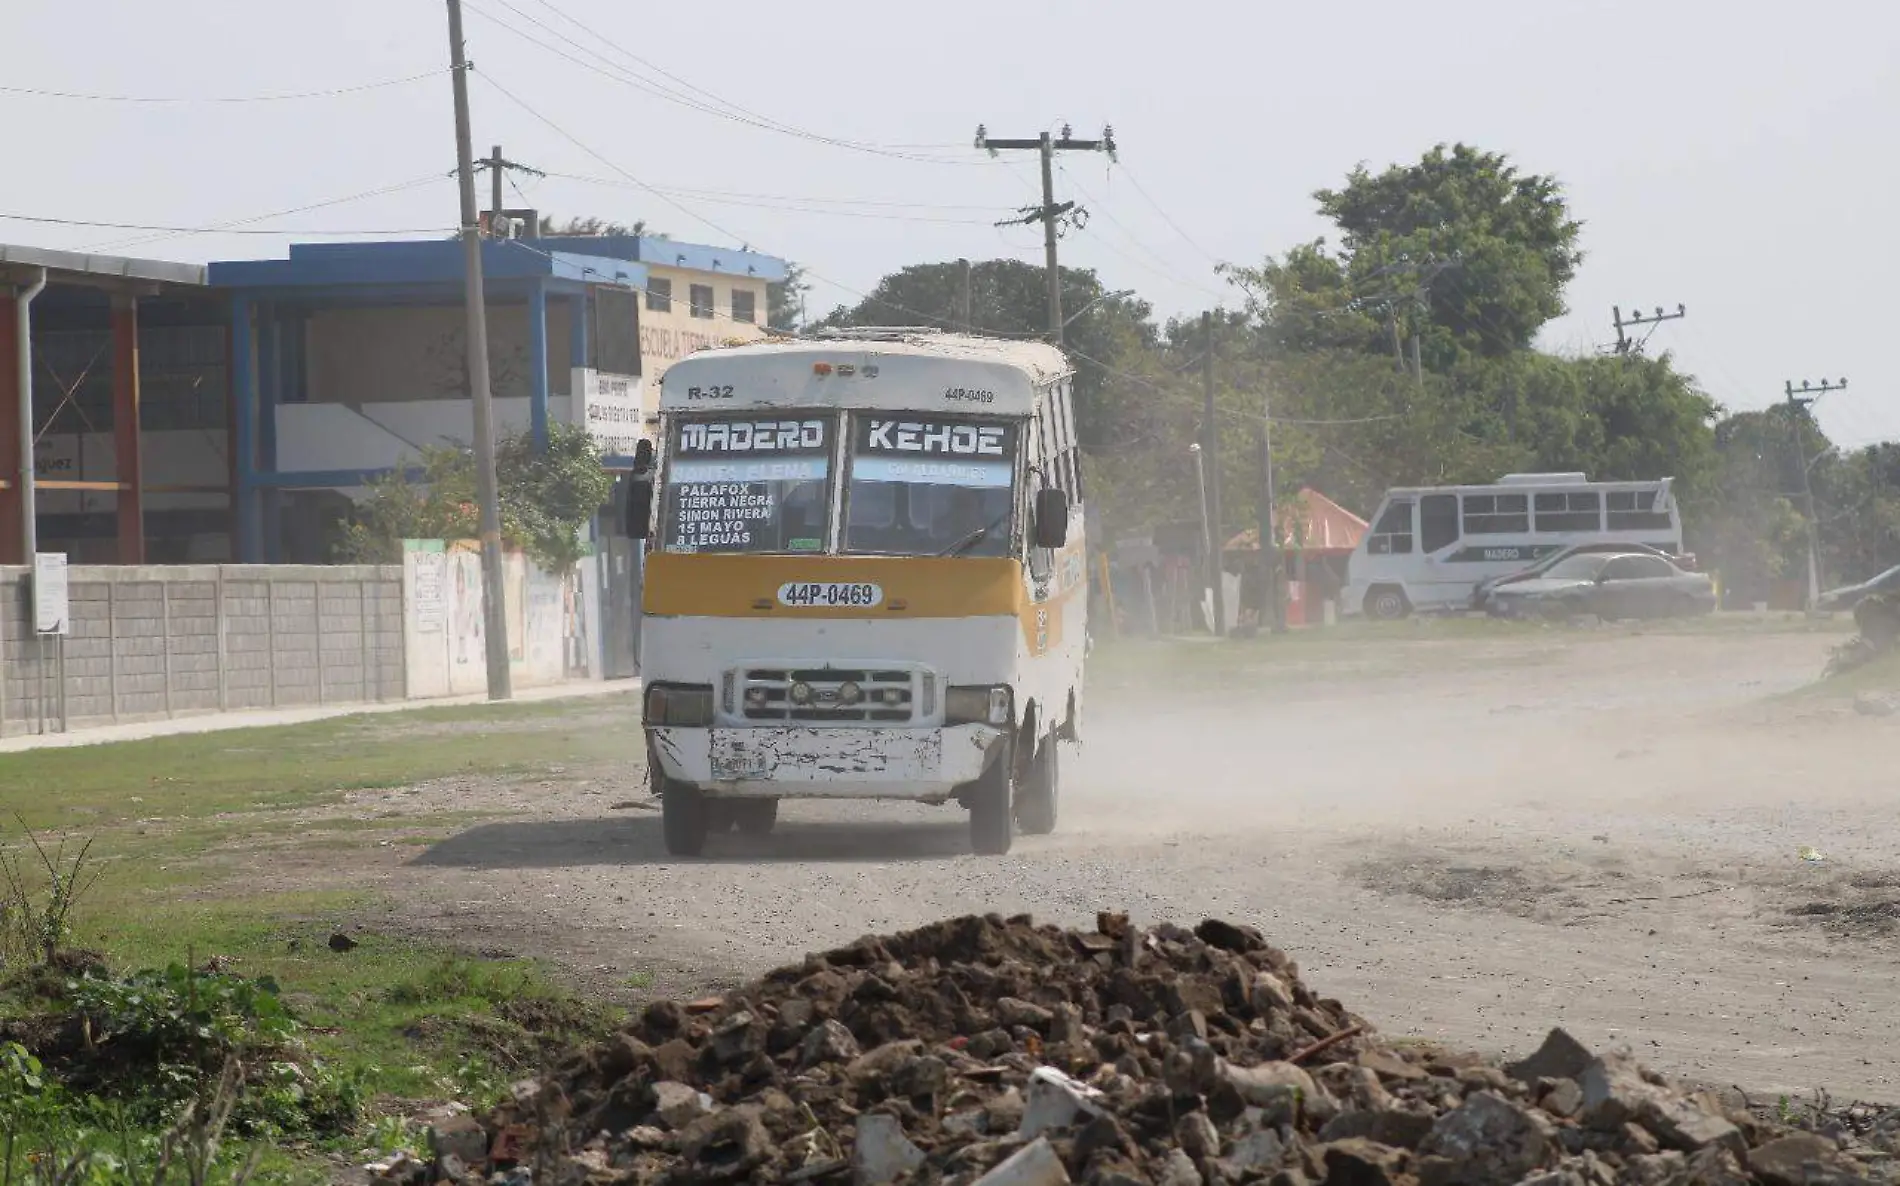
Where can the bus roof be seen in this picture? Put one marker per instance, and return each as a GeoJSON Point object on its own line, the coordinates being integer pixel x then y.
{"type": "Point", "coordinates": [870, 368]}
{"type": "Point", "coordinates": [1518, 483]}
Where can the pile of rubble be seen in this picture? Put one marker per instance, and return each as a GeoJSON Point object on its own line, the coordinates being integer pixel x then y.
{"type": "Point", "coordinates": [995, 1052]}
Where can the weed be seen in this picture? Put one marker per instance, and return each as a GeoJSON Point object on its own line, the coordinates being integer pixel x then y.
{"type": "Point", "coordinates": [35, 920]}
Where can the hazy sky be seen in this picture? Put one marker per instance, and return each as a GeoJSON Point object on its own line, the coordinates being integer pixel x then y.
{"type": "Point", "coordinates": [1739, 159]}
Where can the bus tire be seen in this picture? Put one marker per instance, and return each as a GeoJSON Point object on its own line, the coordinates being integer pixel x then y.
{"type": "Point", "coordinates": [991, 826]}
{"type": "Point", "coordinates": [686, 818]}
{"type": "Point", "coordinates": [1040, 794]}
{"type": "Point", "coordinates": [1386, 603]}
{"type": "Point", "coordinates": [755, 817]}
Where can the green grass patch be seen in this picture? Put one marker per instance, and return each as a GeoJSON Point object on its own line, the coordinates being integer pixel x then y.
{"type": "Point", "coordinates": [279, 767]}
{"type": "Point", "coordinates": [176, 877]}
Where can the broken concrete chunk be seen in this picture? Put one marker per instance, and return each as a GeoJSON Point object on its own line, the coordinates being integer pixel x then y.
{"type": "Point", "coordinates": [1390, 1067]}
{"type": "Point", "coordinates": [1560, 1057]}
{"type": "Point", "coordinates": [828, 1042]}
{"type": "Point", "coordinates": [678, 1105]}
{"type": "Point", "coordinates": [1797, 1160]}
{"type": "Point", "coordinates": [1490, 1141]}
{"type": "Point", "coordinates": [1359, 1162]}
{"type": "Point", "coordinates": [882, 1154]}
{"type": "Point", "coordinates": [1560, 1097]}
{"type": "Point", "coordinates": [461, 1137]}
{"type": "Point", "coordinates": [1035, 1164]}
{"type": "Point", "coordinates": [1054, 1100]}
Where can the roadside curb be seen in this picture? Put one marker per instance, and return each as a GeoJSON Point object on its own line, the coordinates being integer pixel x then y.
{"type": "Point", "coordinates": [220, 722]}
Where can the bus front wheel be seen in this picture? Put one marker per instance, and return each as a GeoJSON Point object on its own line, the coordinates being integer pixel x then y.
{"type": "Point", "coordinates": [685, 819]}
{"type": "Point", "coordinates": [991, 826]}
{"type": "Point", "coordinates": [1386, 603]}
{"type": "Point", "coordinates": [1037, 802]}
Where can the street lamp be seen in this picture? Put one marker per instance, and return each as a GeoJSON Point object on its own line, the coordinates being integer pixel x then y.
{"type": "Point", "coordinates": [1107, 296]}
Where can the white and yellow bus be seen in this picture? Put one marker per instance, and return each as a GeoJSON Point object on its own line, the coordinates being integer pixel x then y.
{"type": "Point", "coordinates": [866, 579]}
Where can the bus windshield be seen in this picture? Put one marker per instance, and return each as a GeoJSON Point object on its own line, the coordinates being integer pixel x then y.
{"type": "Point", "coordinates": [930, 486]}
{"type": "Point", "coordinates": [748, 485]}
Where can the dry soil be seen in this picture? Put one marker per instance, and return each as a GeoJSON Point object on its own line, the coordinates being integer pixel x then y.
{"type": "Point", "coordinates": [1470, 840]}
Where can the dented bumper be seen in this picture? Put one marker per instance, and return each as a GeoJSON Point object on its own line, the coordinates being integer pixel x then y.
{"type": "Point", "coordinates": [925, 764]}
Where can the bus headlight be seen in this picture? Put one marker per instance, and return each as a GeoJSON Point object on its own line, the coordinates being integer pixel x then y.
{"type": "Point", "coordinates": [978, 705]}
{"type": "Point", "coordinates": [849, 693]}
{"type": "Point", "coordinates": [799, 692]}
{"type": "Point", "coordinates": [687, 705]}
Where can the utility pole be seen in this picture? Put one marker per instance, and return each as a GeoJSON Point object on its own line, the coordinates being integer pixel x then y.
{"type": "Point", "coordinates": [1269, 529]}
{"type": "Point", "coordinates": [1210, 446]}
{"type": "Point", "coordinates": [1635, 319]}
{"type": "Point", "coordinates": [497, 167]}
{"type": "Point", "coordinates": [1799, 401]}
{"type": "Point", "coordinates": [966, 309]}
{"type": "Point", "coordinates": [494, 587]}
{"type": "Point", "coordinates": [1051, 213]}
{"type": "Point", "coordinates": [1423, 273]}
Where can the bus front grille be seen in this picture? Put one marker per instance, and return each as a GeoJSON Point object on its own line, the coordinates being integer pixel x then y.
{"type": "Point", "coordinates": [882, 695]}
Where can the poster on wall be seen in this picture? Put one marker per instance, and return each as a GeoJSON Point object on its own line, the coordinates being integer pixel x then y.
{"type": "Point", "coordinates": [51, 603]}
{"type": "Point", "coordinates": [610, 408]}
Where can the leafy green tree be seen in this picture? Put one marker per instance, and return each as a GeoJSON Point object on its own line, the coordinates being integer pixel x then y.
{"type": "Point", "coordinates": [785, 300]}
{"type": "Point", "coordinates": [547, 496]}
{"type": "Point", "coordinates": [590, 227]}
{"type": "Point", "coordinates": [1009, 298]}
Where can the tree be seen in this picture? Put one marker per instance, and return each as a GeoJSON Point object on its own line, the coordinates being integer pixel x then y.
{"type": "Point", "coordinates": [547, 496]}
{"type": "Point", "coordinates": [785, 300]}
{"type": "Point", "coordinates": [594, 228]}
{"type": "Point", "coordinates": [1507, 240]}
{"type": "Point", "coordinates": [1009, 298]}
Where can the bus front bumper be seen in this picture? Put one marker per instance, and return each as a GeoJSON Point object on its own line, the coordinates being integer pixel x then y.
{"type": "Point", "coordinates": [921, 764]}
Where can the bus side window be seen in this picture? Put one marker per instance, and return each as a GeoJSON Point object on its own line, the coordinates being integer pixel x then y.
{"type": "Point", "coordinates": [1437, 521]}
{"type": "Point", "coordinates": [1392, 534]}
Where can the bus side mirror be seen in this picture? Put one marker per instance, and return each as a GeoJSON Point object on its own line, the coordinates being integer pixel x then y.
{"type": "Point", "coordinates": [1052, 518]}
{"type": "Point", "coordinates": [638, 519]}
{"type": "Point", "coordinates": [637, 515]}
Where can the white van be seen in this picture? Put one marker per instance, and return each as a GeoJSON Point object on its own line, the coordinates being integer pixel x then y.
{"type": "Point", "coordinates": [1428, 546]}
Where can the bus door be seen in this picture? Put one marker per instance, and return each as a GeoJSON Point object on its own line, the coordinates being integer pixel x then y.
{"type": "Point", "coordinates": [1438, 537]}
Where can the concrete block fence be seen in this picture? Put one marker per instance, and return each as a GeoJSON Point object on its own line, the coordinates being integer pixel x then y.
{"type": "Point", "coordinates": [156, 641]}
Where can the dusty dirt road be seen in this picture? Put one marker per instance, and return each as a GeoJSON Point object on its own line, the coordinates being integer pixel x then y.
{"type": "Point", "coordinates": [1469, 840]}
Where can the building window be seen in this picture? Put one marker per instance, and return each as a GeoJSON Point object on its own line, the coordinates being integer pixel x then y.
{"type": "Point", "coordinates": [702, 300]}
{"type": "Point", "coordinates": [659, 295]}
{"type": "Point", "coordinates": [744, 306]}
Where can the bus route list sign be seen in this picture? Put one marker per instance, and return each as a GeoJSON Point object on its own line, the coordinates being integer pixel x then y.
{"type": "Point", "coordinates": [610, 408]}
{"type": "Point", "coordinates": [729, 483]}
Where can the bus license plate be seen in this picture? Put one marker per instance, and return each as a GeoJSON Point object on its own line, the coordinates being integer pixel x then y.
{"type": "Point", "coordinates": [830, 594]}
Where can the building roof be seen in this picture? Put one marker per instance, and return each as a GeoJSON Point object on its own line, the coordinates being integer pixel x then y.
{"type": "Point", "coordinates": [430, 261]}
{"type": "Point", "coordinates": [82, 268]}
{"type": "Point", "coordinates": [1314, 523]}
{"type": "Point", "coordinates": [671, 253]}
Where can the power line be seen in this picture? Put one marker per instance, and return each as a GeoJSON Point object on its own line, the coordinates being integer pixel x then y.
{"type": "Point", "coordinates": [1188, 239]}
{"type": "Point", "coordinates": [618, 73]}
{"type": "Point", "coordinates": [781, 125]}
{"type": "Point", "coordinates": [413, 183]}
{"type": "Point", "coordinates": [213, 230]}
{"type": "Point", "coordinates": [286, 97]}
{"type": "Point", "coordinates": [715, 194]}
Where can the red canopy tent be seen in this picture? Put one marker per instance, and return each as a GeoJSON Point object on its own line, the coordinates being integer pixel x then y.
{"type": "Point", "coordinates": [1318, 535]}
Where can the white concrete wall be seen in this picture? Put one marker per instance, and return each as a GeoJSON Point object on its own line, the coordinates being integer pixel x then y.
{"type": "Point", "coordinates": [444, 635]}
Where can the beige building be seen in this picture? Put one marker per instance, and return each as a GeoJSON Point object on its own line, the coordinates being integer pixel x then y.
{"type": "Point", "coordinates": [697, 298]}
